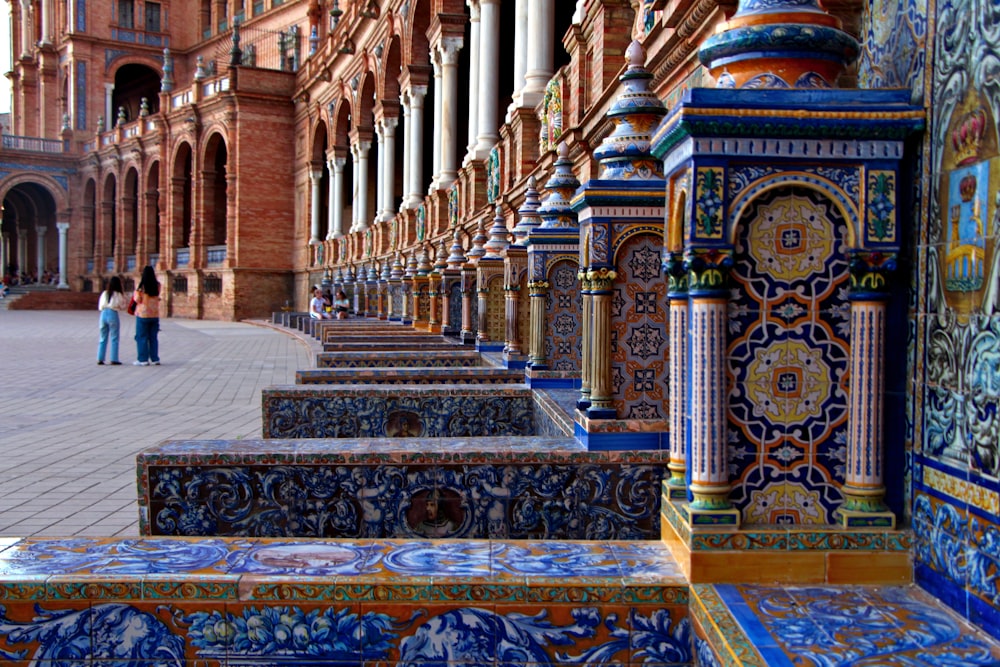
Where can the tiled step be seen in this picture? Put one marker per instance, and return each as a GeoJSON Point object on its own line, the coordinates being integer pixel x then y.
{"type": "Point", "coordinates": [335, 603]}
{"type": "Point", "coordinates": [378, 344]}
{"type": "Point", "coordinates": [399, 411]}
{"type": "Point", "coordinates": [784, 626]}
{"type": "Point", "coordinates": [533, 487]}
{"type": "Point", "coordinates": [399, 359]}
{"type": "Point", "coordinates": [471, 375]}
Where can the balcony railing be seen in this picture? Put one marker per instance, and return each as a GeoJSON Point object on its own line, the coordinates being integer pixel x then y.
{"type": "Point", "coordinates": [32, 144]}
{"type": "Point", "coordinates": [183, 257]}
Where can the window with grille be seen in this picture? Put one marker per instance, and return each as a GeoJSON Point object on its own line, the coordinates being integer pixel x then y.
{"type": "Point", "coordinates": [126, 13]}
{"type": "Point", "coordinates": [153, 17]}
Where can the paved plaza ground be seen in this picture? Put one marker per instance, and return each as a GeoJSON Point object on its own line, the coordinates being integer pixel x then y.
{"type": "Point", "coordinates": [70, 429]}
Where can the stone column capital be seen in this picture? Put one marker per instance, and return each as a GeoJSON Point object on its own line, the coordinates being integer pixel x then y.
{"type": "Point", "coordinates": [63, 227]}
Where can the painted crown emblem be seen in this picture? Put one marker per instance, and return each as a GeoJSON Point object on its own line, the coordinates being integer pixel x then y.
{"type": "Point", "coordinates": [967, 187]}
{"type": "Point", "coordinates": [968, 136]}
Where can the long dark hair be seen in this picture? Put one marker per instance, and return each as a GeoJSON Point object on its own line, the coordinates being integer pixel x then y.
{"type": "Point", "coordinates": [114, 285]}
{"type": "Point", "coordinates": [148, 284]}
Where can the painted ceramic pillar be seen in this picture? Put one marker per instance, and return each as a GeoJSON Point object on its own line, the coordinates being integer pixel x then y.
{"type": "Point", "coordinates": [677, 295]}
{"type": "Point", "coordinates": [585, 317]}
{"type": "Point", "coordinates": [864, 485]}
{"type": "Point", "coordinates": [538, 291]}
{"type": "Point", "coordinates": [708, 278]}
{"type": "Point", "coordinates": [601, 388]}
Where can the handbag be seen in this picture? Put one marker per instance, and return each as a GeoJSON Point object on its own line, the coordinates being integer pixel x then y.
{"type": "Point", "coordinates": [132, 305]}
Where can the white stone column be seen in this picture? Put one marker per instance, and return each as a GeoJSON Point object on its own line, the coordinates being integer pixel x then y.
{"type": "Point", "coordinates": [314, 180]}
{"type": "Point", "coordinates": [520, 51]}
{"type": "Point", "coordinates": [22, 250]}
{"type": "Point", "coordinates": [26, 31]}
{"type": "Point", "coordinates": [448, 172]}
{"type": "Point", "coordinates": [360, 151]}
{"type": "Point", "coordinates": [4, 254]}
{"type": "Point", "coordinates": [47, 17]}
{"type": "Point", "coordinates": [63, 228]}
{"type": "Point", "coordinates": [473, 79]}
{"type": "Point", "coordinates": [388, 167]}
{"type": "Point", "coordinates": [489, 77]}
{"type": "Point", "coordinates": [337, 197]}
{"type": "Point", "coordinates": [438, 105]}
{"type": "Point", "coordinates": [330, 196]}
{"type": "Point", "coordinates": [404, 101]}
{"type": "Point", "coordinates": [416, 142]}
{"type": "Point", "coordinates": [109, 114]}
{"type": "Point", "coordinates": [40, 248]}
{"type": "Point", "coordinates": [379, 169]}
{"type": "Point", "coordinates": [541, 25]}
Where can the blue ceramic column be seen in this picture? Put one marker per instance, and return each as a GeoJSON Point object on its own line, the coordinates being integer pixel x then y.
{"type": "Point", "coordinates": [864, 484]}
{"type": "Point", "coordinates": [708, 289]}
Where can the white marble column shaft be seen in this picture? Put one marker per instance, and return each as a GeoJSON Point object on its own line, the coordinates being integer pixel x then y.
{"type": "Point", "coordinates": [360, 150]}
{"type": "Point", "coordinates": [473, 78]}
{"type": "Point", "coordinates": [404, 101]}
{"type": "Point", "coordinates": [63, 228]}
{"type": "Point", "coordinates": [416, 143]}
{"type": "Point", "coordinates": [448, 172]}
{"type": "Point", "coordinates": [40, 248]}
{"type": "Point", "coordinates": [314, 181]}
{"type": "Point", "coordinates": [489, 77]}
{"type": "Point", "coordinates": [541, 26]}
{"type": "Point", "coordinates": [438, 105]}
{"type": "Point", "coordinates": [337, 186]}
{"type": "Point", "coordinates": [388, 167]}
{"type": "Point", "coordinates": [520, 50]}
{"type": "Point", "coordinates": [379, 169]}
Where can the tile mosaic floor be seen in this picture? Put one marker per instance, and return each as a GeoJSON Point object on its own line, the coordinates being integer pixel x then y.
{"type": "Point", "coordinates": [833, 626]}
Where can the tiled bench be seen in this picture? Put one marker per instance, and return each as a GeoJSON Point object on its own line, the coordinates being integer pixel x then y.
{"type": "Point", "coordinates": [524, 488]}
{"type": "Point", "coordinates": [784, 626]}
{"type": "Point", "coordinates": [399, 359]}
{"type": "Point", "coordinates": [398, 411]}
{"type": "Point", "coordinates": [331, 603]}
{"type": "Point", "coordinates": [378, 344]}
{"type": "Point", "coordinates": [470, 375]}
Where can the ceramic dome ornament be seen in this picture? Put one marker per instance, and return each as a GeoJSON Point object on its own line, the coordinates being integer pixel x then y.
{"type": "Point", "coordinates": [779, 44]}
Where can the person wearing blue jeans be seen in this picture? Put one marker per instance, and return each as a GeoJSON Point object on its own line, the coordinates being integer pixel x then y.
{"type": "Point", "coordinates": [112, 300]}
{"type": "Point", "coordinates": [147, 319]}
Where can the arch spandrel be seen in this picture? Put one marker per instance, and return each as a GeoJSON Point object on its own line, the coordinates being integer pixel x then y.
{"type": "Point", "coordinates": [841, 199]}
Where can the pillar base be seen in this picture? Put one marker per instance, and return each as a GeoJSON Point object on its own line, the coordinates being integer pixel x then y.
{"type": "Point", "coordinates": [601, 413]}
{"type": "Point", "coordinates": [675, 490]}
{"type": "Point", "coordinates": [849, 518]}
{"type": "Point", "coordinates": [714, 517]}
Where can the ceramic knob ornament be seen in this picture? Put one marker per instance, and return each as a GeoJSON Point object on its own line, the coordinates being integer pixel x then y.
{"type": "Point", "coordinates": [779, 44]}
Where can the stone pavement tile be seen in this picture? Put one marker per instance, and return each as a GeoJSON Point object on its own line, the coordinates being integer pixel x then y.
{"type": "Point", "coordinates": [70, 429]}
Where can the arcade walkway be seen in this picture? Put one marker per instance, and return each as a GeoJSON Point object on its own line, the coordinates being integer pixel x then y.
{"type": "Point", "coordinates": [70, 429]}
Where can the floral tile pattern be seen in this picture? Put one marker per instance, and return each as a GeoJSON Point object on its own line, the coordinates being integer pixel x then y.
{"type": "Point", "coordinates": [336, 602]}
{"type": "Point", "coordinates": [858, 626]}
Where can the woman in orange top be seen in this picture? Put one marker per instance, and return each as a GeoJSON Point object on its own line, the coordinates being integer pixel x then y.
{"type": "Point", "coordinates": [147, 319]}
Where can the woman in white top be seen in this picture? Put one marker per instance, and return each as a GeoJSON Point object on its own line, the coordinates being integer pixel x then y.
{"type": "Point", "coordinates": [112, 300]}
